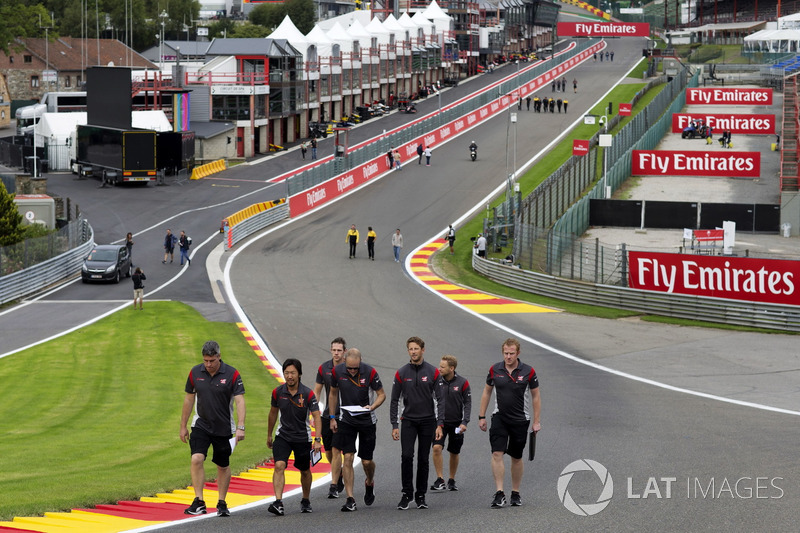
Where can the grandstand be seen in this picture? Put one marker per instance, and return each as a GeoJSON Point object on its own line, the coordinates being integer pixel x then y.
{"type": "Point", "coordinates": [671, 14]}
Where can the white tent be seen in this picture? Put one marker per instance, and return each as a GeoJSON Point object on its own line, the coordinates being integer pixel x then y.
{"type": "Point", "coordinates": [376, 29]}
{"type": "Point", "coordinates": [338, 35]}
{"type": "Point", "coordinates": [426, 25]}
{"type": "Point", "coordinates": [414, 29]}
{"type": "Point", "coordinates": [317, 37]}
{"type": "Point", "coordinates": [392, 25]}
{"type": "Point", "coordinates": [442, 20]}
{"type": "Point", "coordinates": [287, 30]}
{"type": "Point", "coordinates": [774, 41]}
{"type": "Point", "coordinates": [357, 31]}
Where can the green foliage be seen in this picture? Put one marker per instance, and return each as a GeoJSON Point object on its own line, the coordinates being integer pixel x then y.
{"type": "Point", "coordinates": [11, 231]}
{"type": "Point", "coordinates": [33, 231]}
{"type": "Point", "coordinates": [301, 12]}
{"type": "Point", "coordinates": [18, 20]}
{"type": "Point", "coordinates": [102, 409]}
{"type": "Point", "coordinates": [221, 28]}
{"type": "Point", "coordinates": [268, 15]}
{"type": "Point", "coordinates": [243, 31]}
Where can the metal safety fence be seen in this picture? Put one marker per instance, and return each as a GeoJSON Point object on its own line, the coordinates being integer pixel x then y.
{"type": "Point", "coordinates": [321, 173]}
{"type": "Point", "coordinates": [34, 264]}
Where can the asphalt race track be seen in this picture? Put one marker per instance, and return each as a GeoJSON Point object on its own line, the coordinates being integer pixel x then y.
{"type": "Point", "coordinates": [681, 455]}
{"type": "Point", "coordinates": [678, 462]}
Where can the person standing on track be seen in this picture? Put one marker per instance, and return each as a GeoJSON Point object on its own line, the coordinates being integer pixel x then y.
{"type": "Point", "coordinates": [354, 383]}
{"type": "Point", "coordinates": [352, 240]}
{"type": "Point", "coordinates": [575, 85]}
{"type": "Point", "coordinates": [212, 389]}
{"type": "Point", "coordinates": [511, 417]}
{"type": "Point", "coordinates": [338, 346]}
{"type": "Point", "coordinates": [138, 287]}
{"type": "Point", "coordinates": [421, 420]}
{"type": "Point", "coordinates": [370, 242]}
{"type": "Point", "coordinates": [420, 151]}
{"type": "Point", "coordinates": [457, 398]}
{"type": "Point", "coordinates": [294, 402]}
{"type": "Point", "coordinates": [183, 243]}
{"type": "Point", "coordinates": [169, 246]}
{"type": "Point", "coordinates": [397, 245]}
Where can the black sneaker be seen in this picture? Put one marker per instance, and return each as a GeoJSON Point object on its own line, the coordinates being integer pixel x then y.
{"type": "Point", "coordinates": [349, 506]}
{"type": "Point", "coordinates": [276, 507]}
{"type": "Point", "coordinates": [420, 501]}
{"type": "Point", "coordinates": [516, 499]}
{"type": "Point", "coordinates": [333, 492]}
{"type": "Point", "coordinates": [451, 484]}
{"type": "Point", "coordinates": [222, 508]}
{"type": "Point", "coordinates": [369, 493]}
{"type": "Point", "coordinates": [198, 507]}
{"type": "Point", "coordinates": [305, 506]}
{"type": "Point", "coordinates": [404, 501]}
{"type": "Point", "coordinates": [499, 499]}
{"type": "Point", "coordinates": [438, 485]}
{"type": "Point", "coordinates": [340, 485]}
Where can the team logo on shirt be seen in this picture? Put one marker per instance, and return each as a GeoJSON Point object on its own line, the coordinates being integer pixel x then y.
{"type": "Point", "coordinates": [424, 379]}
{"type": "Point", "coordinates": [363, 381]}
{"type": "Point", "coordinates": [520, 378]}
{"type": "Point", "coordinates": [223, 381]}
{"type": "Point", "coordinates": [455, 389]}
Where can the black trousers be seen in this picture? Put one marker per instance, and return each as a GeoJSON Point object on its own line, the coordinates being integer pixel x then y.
{"type": "Point", "coordinates": [353, 245]}
{"type": "Point", "coordinates": [421, 432]}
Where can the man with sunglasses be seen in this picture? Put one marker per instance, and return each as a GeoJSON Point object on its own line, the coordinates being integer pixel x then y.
{"type": "Point", "coordinates": [338, 347]}
{"type": "Point", "coordinates": [358, 388]}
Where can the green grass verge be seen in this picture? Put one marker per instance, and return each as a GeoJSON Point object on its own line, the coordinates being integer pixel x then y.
{"type": "Point", "coordinates": [458, 267]}
{"type": "Point", "coordinates": [712, 53]}
{"type": "Point", "coordinates": [100, 410]}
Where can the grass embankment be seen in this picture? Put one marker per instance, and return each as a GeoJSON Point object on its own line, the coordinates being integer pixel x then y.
{"type": "Point", "coordinates": [98, 410]}
{"type": "Point", "coordinates": [458, 267]}
{"type": "Point", "coordinates": [712, 53]}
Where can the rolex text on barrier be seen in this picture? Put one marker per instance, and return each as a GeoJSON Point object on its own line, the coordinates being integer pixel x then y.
{"type": "Point", "coordinates": [580, 146]}
{"type": "Point", "coordinates": [714, 96]}
{"type": "Point", "coordinates": [603, 29]}
{"type": "Point", "coordinates": [695, 163]}
{"type": "Point", "coordinates": [737, 278]}
{"type": "Point", "coordinates": [737, 124]}
{"type": "Point", "coordinates": [625, 110]}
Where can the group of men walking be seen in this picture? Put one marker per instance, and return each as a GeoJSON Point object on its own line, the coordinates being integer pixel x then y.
{"type": "Point", "coordinates": [429, 408]}
{"type": "Point", "coordinates": [548, 104]}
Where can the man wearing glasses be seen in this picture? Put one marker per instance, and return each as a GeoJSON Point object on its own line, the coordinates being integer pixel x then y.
{"type": "Point", "coordinates": [358, 388]}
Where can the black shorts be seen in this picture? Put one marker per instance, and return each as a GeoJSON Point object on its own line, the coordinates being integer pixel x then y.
{"type": "Point", "coordinates": [282, 449]}
{"type": "Point", "coordinates": [327, 434]}
{"type": "Point", "coordinates": [508, 437]}
{"type": "Point", "coordinates": [345, 440]}
{"type": "Point", "coordinates": [200, 440]}
{"type": "Point", "coordinates": [454, 442]}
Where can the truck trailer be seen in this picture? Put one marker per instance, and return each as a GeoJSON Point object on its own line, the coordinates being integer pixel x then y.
{"type": "Point", "coordinates": [115, 155]}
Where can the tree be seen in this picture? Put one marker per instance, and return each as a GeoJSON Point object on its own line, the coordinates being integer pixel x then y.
{"type": "Point", "coordinates": [303, 14]}
{"type": "Point", "coordinates": [268, 15]}
{"type": "Point", "coordinates": [18, 20]}
{"type": "Point", "coordinates": [11, 230]}
{"type": "Point", "coordinates": [221, 28]}
{"type": "Point", "coordinates": [242, 31]}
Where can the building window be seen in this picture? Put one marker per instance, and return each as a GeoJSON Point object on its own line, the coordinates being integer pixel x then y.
{"type": "Point", "coordinates": [27, 59]}
{"type": "Point", "coordinates": [10, 59]}
{"type": "Point", "coordinates": [34, 81]}
{"type": "Point", "coordinates": [67, 81]}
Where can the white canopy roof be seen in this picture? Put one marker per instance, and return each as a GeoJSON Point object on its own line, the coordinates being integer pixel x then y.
{"type": "Point", "coordinates": [392, 25]}
{"type": "Point", "coordinates": [338, 35]}
{"type": "Point", "coordinates": [357, 31]}
{"type": "Point", "coordinates": [376, 29]}
{"type": "Point", "coordinates": [443, 21]}
{"type": "Point", "coordinates": [420, 20]}
{"type": "Point", "coordinates": [317, 37]}
{"type": "Point", "coordinates": [287, 30]}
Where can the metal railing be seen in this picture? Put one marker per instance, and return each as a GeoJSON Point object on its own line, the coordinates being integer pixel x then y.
{"type": "Point", "coordinates": [255, 223]}
{"type": "Point", "coordinates": [719, 310]}
{"type": "Point", "coordinates": [34, 264]}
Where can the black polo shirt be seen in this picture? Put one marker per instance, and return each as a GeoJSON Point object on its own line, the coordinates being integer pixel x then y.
{"type": "Point", "coordinates": [213, 399]}
{"type": "Point", "coordinates": [511, 400]}
{"type": "Point", "coordinates": [357, 390]}
{"type": "Point", "coordinates": [457, 397]}
{"type": "Point", "coordinates": [293, 424]}
{"type": "Point", "coordinates": [324, 378]}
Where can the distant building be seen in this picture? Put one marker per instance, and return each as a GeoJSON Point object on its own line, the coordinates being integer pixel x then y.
{"type": "Point", "coordinates": [60, 64]}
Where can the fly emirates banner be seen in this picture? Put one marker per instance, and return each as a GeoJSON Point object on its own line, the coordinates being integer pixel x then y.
{"type": "Point", "coordinates": [713, 96]}
{"type": "Point", "coordinates": [737, 278]}
{"type": "Point", "coordinates": [736, 124]}
{"type": "Point", "coordinates": [695, 163]}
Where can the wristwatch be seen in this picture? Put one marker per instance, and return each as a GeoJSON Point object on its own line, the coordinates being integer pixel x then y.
{"type": "Point", "coordinates": [317, 439]}
{"type": "Point", "coordinates": [240, 427]}
{"type": "Point", "coordinates": [332, 417]}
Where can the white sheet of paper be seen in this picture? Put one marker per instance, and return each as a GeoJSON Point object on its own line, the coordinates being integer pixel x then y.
{"type": "Point", "coordinates": [355, 409]}
{"type": "Point", "coordinates": [316, 456]}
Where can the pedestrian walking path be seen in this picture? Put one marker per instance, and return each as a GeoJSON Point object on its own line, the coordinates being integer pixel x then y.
{"type": "Point", "coordinates": [476, 301]}
{"type": "Point", "coordinates": [252, 486]}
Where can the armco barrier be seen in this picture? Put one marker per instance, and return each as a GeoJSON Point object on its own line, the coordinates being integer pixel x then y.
{"type": "Point", "coordinates": [252, 219]}
{"type": "Point", "coordinates": [308, 198]}
{"type": "Point", "coordinates": [719, 310]}
{"type": "Point", "coordinates": [35, 278]}
{"type": "Point", "coordinates": [209, 168]}
{"type": "Point", "coordinates": [590, 8]}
